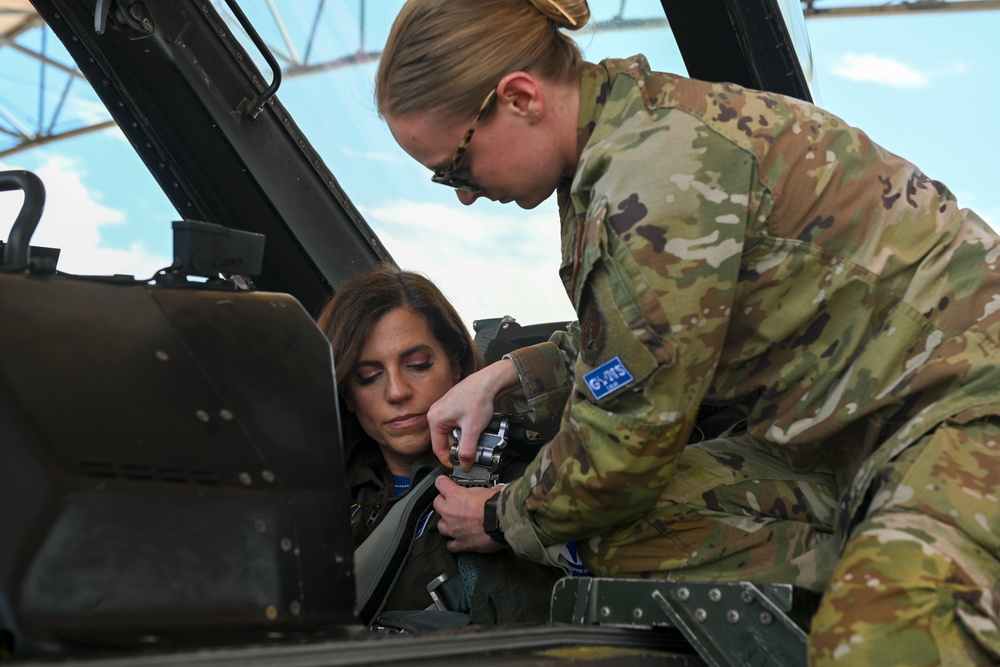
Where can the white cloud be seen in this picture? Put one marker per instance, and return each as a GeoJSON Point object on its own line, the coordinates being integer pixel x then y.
{"type": "Point", "coordinates": [490, 261]}
{"type": "Point", "coordinates": [876, 69]}
{"type": "Point", "coordinates": [377, 157]}
{"type": "Point", "coordinates": [72, 221]}
{"type": "Point", "coordinates": [86, 110]}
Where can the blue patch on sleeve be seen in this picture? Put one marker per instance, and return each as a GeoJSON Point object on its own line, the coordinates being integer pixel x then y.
{"type": "Point", "coordinates": [608, 377]}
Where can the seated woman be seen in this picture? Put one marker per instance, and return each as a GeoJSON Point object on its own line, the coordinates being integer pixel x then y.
{"type": "Point", "coordinates": [398, 346]}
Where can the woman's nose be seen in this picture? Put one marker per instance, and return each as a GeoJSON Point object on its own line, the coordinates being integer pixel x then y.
{"type": "Point", "coordinates": [397, 388]}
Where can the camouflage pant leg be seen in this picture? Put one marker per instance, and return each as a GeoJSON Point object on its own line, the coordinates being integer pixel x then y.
{"type": "Point", "coordinates": [918, 581]}
{"type": "Point", "coordinates": [731, 512]}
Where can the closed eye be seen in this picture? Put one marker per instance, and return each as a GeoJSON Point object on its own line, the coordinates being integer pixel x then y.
{"type": "Point", "coordinates": [421, 366]}
{"type": "Point", "coordinates": [364, 380]}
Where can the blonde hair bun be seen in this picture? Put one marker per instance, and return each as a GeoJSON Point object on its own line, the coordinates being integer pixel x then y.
{"type": "Point", "coordinates": [569, 14]}
{"type": "Point", "coordinates": [443, 55]}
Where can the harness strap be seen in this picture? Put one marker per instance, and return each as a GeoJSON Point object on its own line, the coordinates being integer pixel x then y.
{"type": "Point", "coordinates": [379, 559]}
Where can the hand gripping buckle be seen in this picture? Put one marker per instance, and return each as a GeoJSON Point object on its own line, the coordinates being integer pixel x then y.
{"type": "Point", "coordinates": [485, 468]}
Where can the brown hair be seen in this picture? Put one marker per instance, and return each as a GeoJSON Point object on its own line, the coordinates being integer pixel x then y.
{"type": "Point", "coordinates": [444, 55]}
{"type": "Point", "coordinates": [350, 314]}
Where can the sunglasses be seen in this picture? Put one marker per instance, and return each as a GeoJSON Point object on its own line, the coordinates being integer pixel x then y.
{"type": "Point", "coordinates": [448, 176]}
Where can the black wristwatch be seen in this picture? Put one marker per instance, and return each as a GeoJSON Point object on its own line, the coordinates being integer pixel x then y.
{"type": "Point", "coordinates": [491, 521]}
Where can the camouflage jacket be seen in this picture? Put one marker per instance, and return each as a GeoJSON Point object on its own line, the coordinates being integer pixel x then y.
{"type": "Point", "coordinates": [733, 246]}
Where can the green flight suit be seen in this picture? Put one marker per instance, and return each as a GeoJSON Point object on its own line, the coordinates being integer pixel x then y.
{"type": "Point", "coordinates": [507, 589]}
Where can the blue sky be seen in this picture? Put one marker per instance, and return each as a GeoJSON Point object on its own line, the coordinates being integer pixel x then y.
{"type": "Point", "coordinates": [923, 86]}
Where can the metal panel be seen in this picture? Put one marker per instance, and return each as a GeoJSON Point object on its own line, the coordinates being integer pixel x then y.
{"type": "Point", "coordinates": [171, 471]}
{"type": "Point", "coordinates": [740, 41]}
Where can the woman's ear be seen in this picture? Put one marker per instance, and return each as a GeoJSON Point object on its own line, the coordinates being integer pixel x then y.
{"type": "Point", "coordinates": [521, 93]}
{"type": "Point", "coordinates": [348, 403]}
{"type": "Point", "coordinates": [456, 371]}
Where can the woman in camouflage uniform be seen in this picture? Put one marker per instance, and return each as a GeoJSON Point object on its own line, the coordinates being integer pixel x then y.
{"type": "Point", "coordinates": [398, 346]}
{"type": "Point", "coordinates": [727, 246]}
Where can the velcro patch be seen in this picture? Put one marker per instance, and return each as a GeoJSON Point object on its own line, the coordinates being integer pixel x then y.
{"type": "Point", "coordinates": [591, 328]}
{"type": "Point", "coordinates": [607, 378]}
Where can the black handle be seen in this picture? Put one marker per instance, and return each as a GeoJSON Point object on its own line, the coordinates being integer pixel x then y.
{"type": "Point", "coordinates": [15, 252]}
{"type": "Point", "coordinates": [264, 51]}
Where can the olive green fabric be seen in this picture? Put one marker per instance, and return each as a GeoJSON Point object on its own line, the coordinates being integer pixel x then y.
{"type": "Point", "coordinates": [732, 512]}
{"type": "Point", "coordinates": [508, 589]}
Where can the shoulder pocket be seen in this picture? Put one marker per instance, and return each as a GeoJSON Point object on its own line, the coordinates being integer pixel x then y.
{"type": "Point", "coordinates": [624, 332]}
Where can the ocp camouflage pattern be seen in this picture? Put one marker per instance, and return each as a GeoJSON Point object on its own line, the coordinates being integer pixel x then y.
{"type": "Point", "coordinates": [917, 584]}
{"type": "Point", "coordinates": [732, 512]}
{"type": "Point", "coordinates": [735, 246]}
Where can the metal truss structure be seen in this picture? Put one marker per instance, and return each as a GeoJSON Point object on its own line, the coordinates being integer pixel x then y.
{"type": "Point", "coordinates": [43, 100]}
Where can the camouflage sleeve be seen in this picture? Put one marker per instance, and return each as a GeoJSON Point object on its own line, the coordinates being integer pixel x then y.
{"type": "Point", "coordinates": [653, 278]}
{"type": "Point", "coordinates": [546, 373]}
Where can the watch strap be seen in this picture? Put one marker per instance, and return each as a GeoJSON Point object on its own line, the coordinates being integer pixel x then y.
{"type": "Point", "coordinates": [491, 519]}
